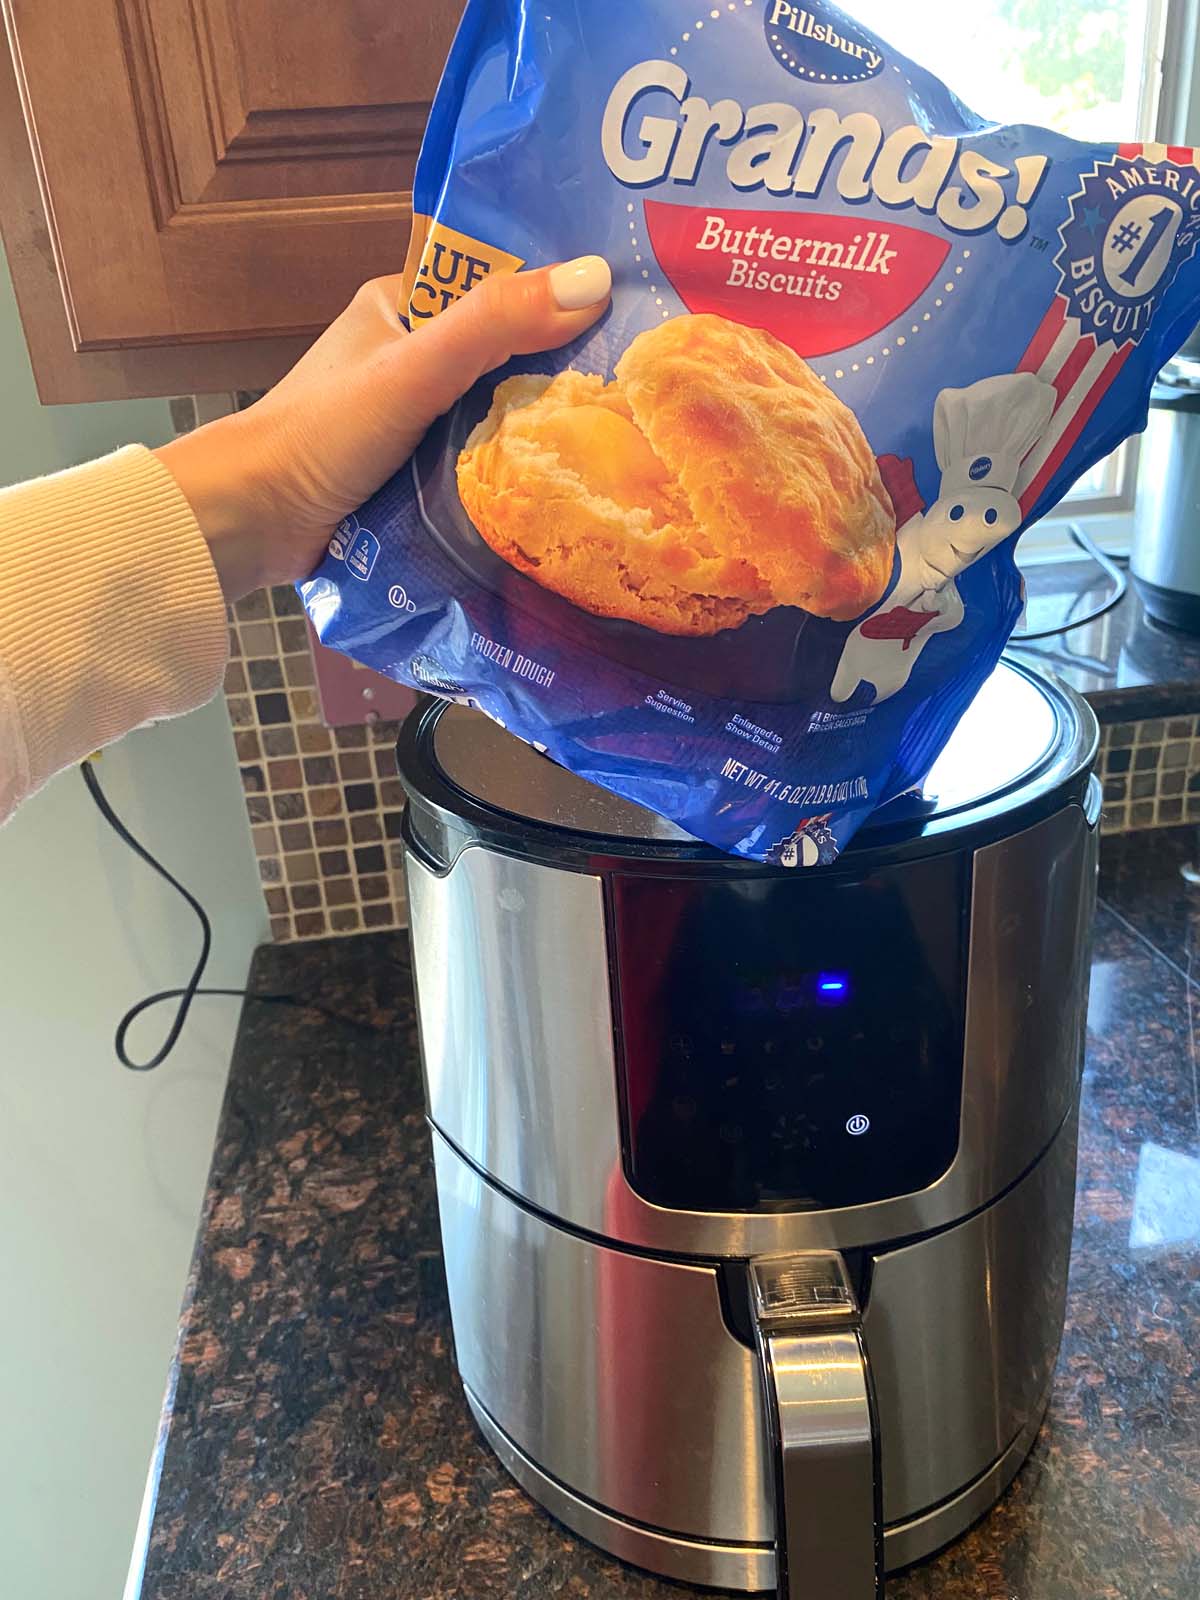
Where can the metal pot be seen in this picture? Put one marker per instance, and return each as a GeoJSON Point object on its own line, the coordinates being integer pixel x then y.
{"type": "Point", "coordinates": [1165, 558]}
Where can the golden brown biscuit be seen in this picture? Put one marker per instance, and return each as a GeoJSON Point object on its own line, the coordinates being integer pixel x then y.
{"type": "Point", "coordinates": [714, 479]}
{"type": "Point", "coordinates": [768, 456]}
{"type": "Point", "coordinates": [562, 484]}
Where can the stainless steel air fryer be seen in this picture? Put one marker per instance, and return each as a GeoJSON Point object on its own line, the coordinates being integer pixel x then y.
{"type": "Point", "coordinates": [756, 1186]}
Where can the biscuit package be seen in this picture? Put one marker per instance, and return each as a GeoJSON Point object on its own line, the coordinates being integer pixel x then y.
{"type": "Point", "coordinates": [745, 552]}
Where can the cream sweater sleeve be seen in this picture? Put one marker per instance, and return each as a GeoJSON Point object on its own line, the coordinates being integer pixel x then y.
{"type": "Point", "coordinates": [111, 614]}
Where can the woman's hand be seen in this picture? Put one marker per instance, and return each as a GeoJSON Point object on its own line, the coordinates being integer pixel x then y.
{"type": "Point", "coordinates": [269, 484]}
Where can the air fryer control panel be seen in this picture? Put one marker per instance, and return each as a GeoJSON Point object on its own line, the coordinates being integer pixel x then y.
{"type": "Point", "coordinates": [790, 1042]}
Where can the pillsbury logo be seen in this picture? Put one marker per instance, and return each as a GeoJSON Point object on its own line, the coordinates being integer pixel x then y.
{"type": "Point", "coordinates": [429, 675]}
{"type": "Point", "coordinates": [980, 468]}
{"type": "Point", "coordinates": [820, 44]}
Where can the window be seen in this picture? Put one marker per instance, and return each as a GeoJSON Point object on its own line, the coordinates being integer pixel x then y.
{"type": "Point", "coordinates": [1083, 67]}
{"type": "Point", "coordinates": [1088, 68]}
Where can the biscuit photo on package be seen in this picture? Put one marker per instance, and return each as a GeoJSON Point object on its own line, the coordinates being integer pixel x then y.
{"type": "Point", "coordinates": [714, 478]}
{"type": "Point", "coordinates": [744, 552]}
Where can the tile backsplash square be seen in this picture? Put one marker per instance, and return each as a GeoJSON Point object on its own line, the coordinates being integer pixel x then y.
{"type": "Point", "coordinates": [324, 804]}
{"type": "Point", "coordinates": [1150, 771]}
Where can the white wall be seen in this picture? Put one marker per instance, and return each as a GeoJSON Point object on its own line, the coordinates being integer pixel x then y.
{"type": "Point", "coordinates": [102, 1172]}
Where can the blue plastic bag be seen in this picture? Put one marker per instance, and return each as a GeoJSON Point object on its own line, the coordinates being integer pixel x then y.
{"type": "Point", "coordinates": [750, 554]}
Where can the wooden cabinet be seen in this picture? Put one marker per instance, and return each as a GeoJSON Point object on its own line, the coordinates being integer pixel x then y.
{"type": "Point", "coordinates": [193, 188]}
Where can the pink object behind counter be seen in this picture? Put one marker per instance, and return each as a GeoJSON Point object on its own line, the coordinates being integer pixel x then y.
{"type": "Point", "coordinates": [351, 695]}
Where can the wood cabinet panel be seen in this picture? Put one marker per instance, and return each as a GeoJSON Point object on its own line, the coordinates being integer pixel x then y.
{"type": "Point", "coordinates": [64, 374]}
{"type": "Point", "coordinates": [222, 169]}
{"type": "Point", "coordinates": [335, 106]}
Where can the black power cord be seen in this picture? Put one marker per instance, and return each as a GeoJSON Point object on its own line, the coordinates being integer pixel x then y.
{"type": "Point", "coordinates": [191, 989]}
{"type": "Point", "coordinates": [1120, 582]}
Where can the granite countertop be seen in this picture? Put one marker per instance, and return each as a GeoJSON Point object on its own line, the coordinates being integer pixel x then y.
{"type": "Point", "coordinates": [1128, 665]}
{"type": "Point", "coordinates": [316, 1445]}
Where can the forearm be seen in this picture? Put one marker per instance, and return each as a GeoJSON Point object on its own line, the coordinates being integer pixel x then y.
{"type": "Point", "coordinates": [224, 471]}
{"type": "Point", "coordinates": [111, 613]}
{"type": "Point", "coordinates": [113, 575]}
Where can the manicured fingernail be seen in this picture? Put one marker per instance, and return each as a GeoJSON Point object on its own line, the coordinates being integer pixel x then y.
{"type": "Point", "coordinates": [583, 282]}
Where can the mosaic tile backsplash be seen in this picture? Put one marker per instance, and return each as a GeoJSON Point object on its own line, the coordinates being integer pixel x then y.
{"type": "Point", "coordinates": [1150, 772]}
{"type": "Point", "coordinates": [325, 803]}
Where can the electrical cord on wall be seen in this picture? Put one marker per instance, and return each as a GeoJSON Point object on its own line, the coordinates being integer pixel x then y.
{"type": "Point", "coordinates": [192, 988]}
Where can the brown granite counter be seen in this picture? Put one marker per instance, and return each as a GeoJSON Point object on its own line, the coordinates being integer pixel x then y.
{"type": "Point", "coordinates": [316, 1445]}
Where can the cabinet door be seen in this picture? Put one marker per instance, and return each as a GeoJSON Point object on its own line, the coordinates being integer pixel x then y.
{"type": "Point", "coordinates": [216, 170]}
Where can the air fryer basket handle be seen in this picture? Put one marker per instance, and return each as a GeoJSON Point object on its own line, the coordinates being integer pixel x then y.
{"type": "Point", "coordinates": [820, 1415]}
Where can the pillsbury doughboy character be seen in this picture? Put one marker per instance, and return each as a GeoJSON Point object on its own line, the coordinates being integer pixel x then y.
{"type": "Point", "coordinates": [980, 437]}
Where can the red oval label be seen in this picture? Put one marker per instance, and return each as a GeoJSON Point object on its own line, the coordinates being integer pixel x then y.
{"type": "Point", "coordinates": [819, 283]}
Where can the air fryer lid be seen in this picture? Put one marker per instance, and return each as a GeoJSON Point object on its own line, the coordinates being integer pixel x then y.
{"type": "Point", "coordinates": [1023, 738]}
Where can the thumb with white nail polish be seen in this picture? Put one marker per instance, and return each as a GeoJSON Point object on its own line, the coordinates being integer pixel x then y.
{"type": "Point", "coordinates": [578, 284]}
{"type": "Point", "coordinates": [508, 314]}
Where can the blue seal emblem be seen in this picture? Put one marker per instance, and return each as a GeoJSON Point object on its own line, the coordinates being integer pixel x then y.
{"type": "Point", "coordinates": [979, 468]}
{"type": "Point", "coordinates": [812, 845]}
{"type": "Point", "coordinates": [1133, 223]}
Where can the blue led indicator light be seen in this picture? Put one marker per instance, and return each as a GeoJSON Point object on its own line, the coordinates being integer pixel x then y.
{"type": "Point", "coordinates": [833, 988]}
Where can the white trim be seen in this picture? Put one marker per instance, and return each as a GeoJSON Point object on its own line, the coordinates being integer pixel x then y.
{"type": "Point", "coordinates": [1118, 493]}
{"type": "Point", "coordinates": [1157, 96]}
{"type": "Point", "coordinates": [1051, 542]}
{"type": "Point", "coordinates": [1172, 57]}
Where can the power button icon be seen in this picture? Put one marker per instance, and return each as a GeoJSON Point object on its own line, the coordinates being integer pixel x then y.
{"type": "Point", "coordinates": [858, 1124]}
